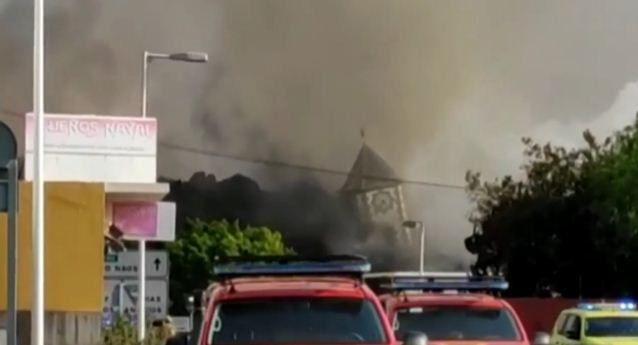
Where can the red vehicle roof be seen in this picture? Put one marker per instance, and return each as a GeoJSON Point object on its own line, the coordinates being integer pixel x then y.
{"type": "Point", "coordinates": [394, 302]}
{"type": "Point", "coordinates": [413, 300]}
{"type": "Point", "coordinates": [260, 287]}
{"type": "Point", "coordinates": [291, 287]}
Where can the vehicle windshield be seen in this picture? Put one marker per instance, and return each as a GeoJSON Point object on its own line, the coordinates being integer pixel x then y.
{"type": "Point", "coordinates": [298, 321]}
{"type": "Point", "coordinates": [457, 323]}
{"type": "Point", "coordinates": [612, 327]}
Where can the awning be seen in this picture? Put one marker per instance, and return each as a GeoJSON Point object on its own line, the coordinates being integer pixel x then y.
{"type": "Point", "coordinates": [136, 191]}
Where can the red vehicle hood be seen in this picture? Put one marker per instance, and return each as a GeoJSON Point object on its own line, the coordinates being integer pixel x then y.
{"type": "Point", "coordinates": [475, 342]}
{"type": "Point", "coordinates": [324, 344]}
{"type": "Point", "coordinates": [472, 342]}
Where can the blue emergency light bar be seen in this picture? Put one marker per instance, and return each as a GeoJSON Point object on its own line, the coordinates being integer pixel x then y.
{"type": "Point", "coordinates": [440, 281]}
{"type": "Point", "coordinates": [439, 285]}
{"type": "Point", "coordinates": [608, 306]}
{"type": "Point", "coordinates": [335, 265]}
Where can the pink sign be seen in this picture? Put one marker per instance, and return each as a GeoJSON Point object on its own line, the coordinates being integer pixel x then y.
{"type": "Point", "coordinates": [138, 220]}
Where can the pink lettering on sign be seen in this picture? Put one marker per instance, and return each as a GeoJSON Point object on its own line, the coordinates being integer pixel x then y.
{"type": "Point", "coordinates": [82, 134]}
{"type": "Point", "coordinates": [136, 219]}
{"type": "Point", "coordinates": [98, 127]}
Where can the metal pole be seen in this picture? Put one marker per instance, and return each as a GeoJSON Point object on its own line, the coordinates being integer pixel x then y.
{"type": "Point", "coordinates": [144, 82]}
{"type": "Point", "coordinates": [141, 293]}
{"type": "Point", "coordinates": [141, 280]}
{"type": "Point", "coordinates": [191, 321]}
{"type": "Point", "coordinates": [12, 250]}
{"type": "Point", "coordinates": [422, 252]}
{"type": "Point", "coordinates": [190, 306]}
{"type": "Point", "coordinates": [120, 299]}
{"type": "Point", "coordinates": [37, 306]}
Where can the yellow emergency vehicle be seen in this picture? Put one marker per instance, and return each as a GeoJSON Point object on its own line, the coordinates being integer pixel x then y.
{"type": "Point", "coordinates": [597, 324]}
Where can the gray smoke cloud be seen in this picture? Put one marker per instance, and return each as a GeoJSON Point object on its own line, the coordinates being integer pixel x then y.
{"type": "Point", "coordinates": [440, 86]}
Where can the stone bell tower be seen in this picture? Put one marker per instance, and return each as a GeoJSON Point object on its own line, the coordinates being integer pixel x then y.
{"type": "Point", "coordinates": [375, 190]}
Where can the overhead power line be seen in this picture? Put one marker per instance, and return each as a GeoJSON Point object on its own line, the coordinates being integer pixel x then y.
{"type": "Point", "coordinates": [281, 164]}
{"type": "Point", "coordinates": [302, 167]}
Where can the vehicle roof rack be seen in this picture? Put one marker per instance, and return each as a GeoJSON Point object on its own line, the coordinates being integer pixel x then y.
{"type": "Point", "coordinates": [434, 282]}
{"type": "Point", "coordinates": [254, 266]}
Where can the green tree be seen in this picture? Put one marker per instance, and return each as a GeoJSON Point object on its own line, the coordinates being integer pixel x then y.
{"type": "Point", "coordinates": [616, 180]}
{"type": "Point", "coordinates": [568, 224]}
{"type": "Point", "coordinates": [192, 254]}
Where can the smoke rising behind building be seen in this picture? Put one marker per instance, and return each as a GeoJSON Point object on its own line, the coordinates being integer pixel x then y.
{"type": "Point", "coordinates": [440, 86]}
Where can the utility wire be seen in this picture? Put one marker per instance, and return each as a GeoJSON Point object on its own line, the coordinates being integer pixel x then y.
{"type": "Point", "coordinates": [282, 164]}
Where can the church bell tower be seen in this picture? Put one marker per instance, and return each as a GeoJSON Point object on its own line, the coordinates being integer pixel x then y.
{"type": "Point", "coordinates": [375, 190]}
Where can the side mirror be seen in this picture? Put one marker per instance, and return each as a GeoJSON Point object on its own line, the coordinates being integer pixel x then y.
{"type": "Point", "coordinates": [542, 338]}
{"type": "Point", "coordinates": [415, 338]}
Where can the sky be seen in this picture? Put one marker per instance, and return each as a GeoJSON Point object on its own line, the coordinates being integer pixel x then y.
{"type": "Point", "coordinates": [440, 87]}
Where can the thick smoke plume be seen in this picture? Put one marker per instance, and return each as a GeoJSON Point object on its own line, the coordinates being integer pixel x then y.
{"type": "Point", "coordinates": [312, 221]}
{"type": "Point", "coordinates": [440, 86]}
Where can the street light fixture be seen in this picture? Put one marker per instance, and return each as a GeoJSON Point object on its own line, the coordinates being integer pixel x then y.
{"type": "Point", "coordinates": [413, 225]}
{"type": "Point", "coordinates": [185, 56]}
{"type": "Point", "coordinates": [193, 57]}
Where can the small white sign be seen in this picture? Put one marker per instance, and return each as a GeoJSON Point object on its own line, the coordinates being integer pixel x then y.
{"type": "Point", "coordinates": [182, 323]}
{"type": "Point", "coordinates": [166, 221]}
{"type": "Point", "coordinates": [125, 264]}
{"type": "Point", "coordinates": [120, 296]}
{"type": "Point", "coordinates": [3, 337]}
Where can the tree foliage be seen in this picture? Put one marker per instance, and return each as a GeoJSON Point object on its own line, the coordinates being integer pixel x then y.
{"type": "Point", "coordinates": [192, 254]}
{"type": "Point", "coordinates": [569, 225]}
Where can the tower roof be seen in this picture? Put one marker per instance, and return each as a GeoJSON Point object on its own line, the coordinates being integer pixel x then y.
{"type": "Point", "coordinates": [369, 171]}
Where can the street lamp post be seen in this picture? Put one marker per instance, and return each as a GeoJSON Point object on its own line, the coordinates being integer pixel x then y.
{"type": "Point", "coordinates": [190, 307]}
{"type": "Point", "coordinates": [37, 242]}
{"type": "Point", "coordinates": [193, 57]}
{"type": "Point", "coordinates": [412, 224]}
